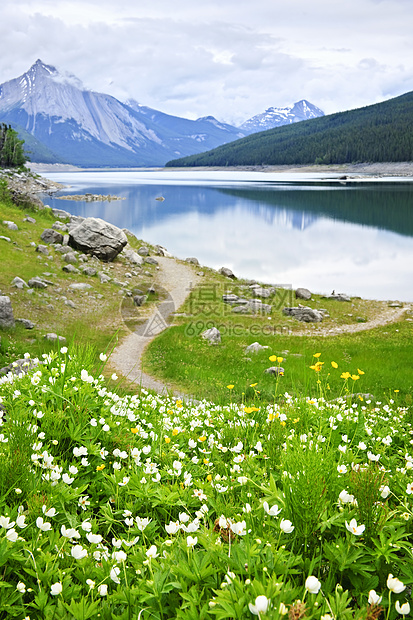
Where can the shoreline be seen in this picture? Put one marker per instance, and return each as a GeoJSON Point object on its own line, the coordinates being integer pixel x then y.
{"type": "Point", "coordinates": [368, 170]}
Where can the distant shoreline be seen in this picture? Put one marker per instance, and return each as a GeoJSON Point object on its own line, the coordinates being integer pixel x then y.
{"type": "Point", "coordinates": [379, 169]}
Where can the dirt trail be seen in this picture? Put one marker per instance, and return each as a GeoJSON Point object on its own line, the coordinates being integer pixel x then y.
{"type": "Point", "coordinates": [177, 279]}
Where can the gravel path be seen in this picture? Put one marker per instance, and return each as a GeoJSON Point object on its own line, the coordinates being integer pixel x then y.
{"type": "Point", "coordinates": [177, 279]}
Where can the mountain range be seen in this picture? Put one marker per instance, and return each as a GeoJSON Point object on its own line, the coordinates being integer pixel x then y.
{"type": "Point", "coordinates": [61, 121]}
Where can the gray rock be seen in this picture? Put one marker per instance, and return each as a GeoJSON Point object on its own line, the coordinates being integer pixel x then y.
{"type": "Point", "coordinates": [27, 324]}
{"type": "Point", "coordinates": [29, 219]}
{"type": "Point", "coordinates": [80, 286]}
{"type": "Point", "coordinates": [89, 271]}
{"type": "Point", "coordinates": [51, 236]}
{"type": "Point", "coordinates": [70, 303]}
{"type": "Point", "coordinates": [63, 249]}
{"type": "Point", "coordinates": [94, 236]}
{"type": "Point", "coordinates": [224, 271]}
{"type": "Point", "coordinates": [161, 251]}
{"type": "Point", "coordinates": [10, 225]}
{"type": "Point", "coordinates": [70, 269]}
{"type": "Point", "coordinates": [70, 257]}
{"type": "Point", "coordinates": [139, 300]}
{"type": "Point", "coordinates": [275, 370]}
{"type": "Point", "coordinates": [6, 238]}
{"type": "Point", "coordinates": [103, 277]}
{"type": "Point", "coordinates": [192, 261]}
{"type": "Point", "coordinates": [19, 283]}
{"type": "Point", "coordinates": [305, 314]}
{"type": "Point", "coordinates": [263, 292]}
{"type": "Point", "coordinates": [37, 283]}
{"type": "Point", "coordinates": [231, 298]}
{"type": "Point", "coordinates": [241, 309]}
{"type": "Point", "coordinates": [6, 312]}
{"type": "Point", "coordinates": [213, 335]}
{"type": "Point", "coordinates": [133, 257]}
{"type": "Point", "coordinates": [338, 297]}
{"type": "Point", "coordinates": [19, 367]}
{"type": "Point", "coordinates": [303, 293]}
{"type": "Point", "coordinates": [52, 337]}
{"type": "Point", "coordinates": [43, 249]}
{"type": "Point", "coordinates": [143, 251]}
{"type": "Point", "coordinates": [60, 226]}
{"type": "Point", "coordinates": [257, 307]}
{"type": "Point", "coordinates": [63, 215]}
{"type": "Point", "coordinates": [151, 261]}
{"type": "Point", "coordinates": [255, 347]}
{"type": "Point", "coordinates": [137, 291]}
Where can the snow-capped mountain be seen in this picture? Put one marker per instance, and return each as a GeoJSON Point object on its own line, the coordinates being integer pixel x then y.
{"type": "Point", "coordinates": [86, 128]}
{"type": "Point", "coordinates": [276, 117]}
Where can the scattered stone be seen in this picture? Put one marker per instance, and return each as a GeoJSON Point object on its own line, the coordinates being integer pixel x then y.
{"type": "Point", "coordinates": [70, 269]}
{"type": "Point", "coordinates": [43, 249]}
{"type": "Point", "coordinates": [143, 251]}
{"type": "Point", "coordinates": [263, 292]}
{"type": "Point", "coordinates": [70, 303]}
{"type": "Point", "coordinates": [305, 314]}
{"type": "Point", "coordinates": [103, 277]}
{"type": "Point", "coordinates": [70, 257]}
{"type": "Point", "coordinates": [52, 337]}
{"type": "Point", "coordinates": [89, 271]}
{"type": "Point", "coordinates": [303, 293]}
{"type": "Point", "coordinates": [63, 215]}
{"type": "Point", "coordinates": [6, 238]}
{"type": "Point", "coordinates": [151, 261]}
{"type": "Point", "coordinates": [396, 304]}
{"type": "Point", "coordinates": [29, 219]}
{"type": "Point", "coordinates": [6, 312]}
{"type": "Point", "coordinates": [192, 261]}
{"type": "Point", "coordinates": [19, 283]}
{"type": "Point", "coordinates": [80, 286]}
{"type": "Point", "coordinates": [275, 370]}
{"type": "Point", "coordinates": [10, 225]}
{"type": "Point", "coordinates": [151, 290]}
{"type": "Point", "coordinates": [133, 257]}
{"type": "Point", "coordinates": [27, 324]}
{"type": "Point", "coordinates": [255, 347]}
{"type": "Point", "coordinates": [63, 249]}
{"type": "Point", "coordinates": [338, 297]}
{"type": "Point", "coordinates": [37, 283]}
{"type": "Point", "coordinates": [60, 226]}
{"type": "Point", "coordinates": [161, 251]}
{"type": "Point", "coordinates": [139, 300]}
{"type": "Point", "coordinates": [19, 367]}
{"type": "Point", "coordinates": [97, 237]}
{"type": "Point", "coordinates": [213, 335]}
{"type": "Point", "coordinates": [51, 236]}
{"type": "Point", "coordinates": [224, 271]}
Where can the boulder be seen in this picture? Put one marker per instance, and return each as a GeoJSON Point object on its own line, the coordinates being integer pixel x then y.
{"type": "Point", "coordinates": [94, 236]}
{"type": "Point", "coordinates": [263, 292]}
{"type": "Point", "coordinates": [192, 260]}
{"type": "Point", "coordinates": [213, 335]}
{"type": "Point", "coordinates": [6, 312]}
{"type": "Point", "coordinates": [161, 251]}
{"type": "Point", "coordinates": [103, 277]}
{"type": "Point", "coordinates": [255, 347]}
{"type": "Point", "coordinates": [43, 249]}
{"type": "Point", "coordinates": [89, 271]}
{"type": "Point", "coordinates": [70, 269]}
{"type": "Point", "coordinates": [51, 236]}
{"type": "Point", "coordinates": [143, 251]}
{"type": "Point", "coordinates": [338, 297]}
{"type": "Point", "coordinates": [151, 261]}
{"type": "Point", "coordinates": [224, 271]}
{"type": "Point", "coordinates": [305, 314]}
{"type": "Point", "coordinates": [303, 293]}
{"type": "Point", "coordinates": [70, 257]}
{"type": "Point", "coordinates": [29, 219]}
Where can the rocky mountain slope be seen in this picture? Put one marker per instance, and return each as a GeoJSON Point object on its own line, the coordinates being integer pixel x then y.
{"type": "Point", "coordinates": [277, 117]}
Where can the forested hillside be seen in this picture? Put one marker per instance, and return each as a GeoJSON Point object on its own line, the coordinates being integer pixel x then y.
{"type": "Point", "coordinates": [377, 133]}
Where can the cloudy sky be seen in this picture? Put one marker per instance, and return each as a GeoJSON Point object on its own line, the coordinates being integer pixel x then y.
{"type": "Point", "coordinates": [229, 58]}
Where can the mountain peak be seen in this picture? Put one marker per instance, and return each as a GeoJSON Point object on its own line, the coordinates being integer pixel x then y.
{"type": "Point", "coordinates": [276, 117]}
{"type": "Point", "coordinates": [41, 67]}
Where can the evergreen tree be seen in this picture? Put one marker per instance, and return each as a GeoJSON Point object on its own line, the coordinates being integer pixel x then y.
{"type": "Point", "coordinates": [11, 148]}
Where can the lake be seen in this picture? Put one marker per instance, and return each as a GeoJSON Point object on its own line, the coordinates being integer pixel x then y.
{"type": "Point", "coordinates": [290, 229]}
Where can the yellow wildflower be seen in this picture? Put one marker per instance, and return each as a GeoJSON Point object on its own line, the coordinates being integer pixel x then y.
{"type": "Point", "coordinates": [334, 364]}
{"type": "Point", "coordinates": [345, 375]}
{"type": "Point", "coordinates": [134, 430]}
{"type": "Point", "coordinates": [316, 354]}
{"type": "Point", "coordinates": [355, 377]}
{"type": "Point", "coordinates": [209, 477]}
{"type": "Point", "coordinates": [230, 386]}
{"type": "Point", "coordinates": [175, 431]}
{"type": "Point", "coordinates": [273, 358]}
{"type": "Point", "coordinates": [253, 384]}
{"type": "Point", "coordinates": [203, 438]}
{"type": "Point", "coordinates": [100, 467]}
{"type": "Point", "coordinates": [167, 440]}
{"type": "Point", "coordinates": [360, 371]}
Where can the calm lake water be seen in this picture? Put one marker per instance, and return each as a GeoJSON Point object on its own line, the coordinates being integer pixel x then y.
{"type": "Point", "coordinates": [353, 237]}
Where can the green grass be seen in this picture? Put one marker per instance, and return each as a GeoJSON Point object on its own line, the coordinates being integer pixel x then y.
{"type": "Point", "coordinates": [181, 357]}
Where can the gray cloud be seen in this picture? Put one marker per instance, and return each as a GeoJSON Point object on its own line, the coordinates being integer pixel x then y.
{"type": "Point", "coordinates": [232, 59]}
